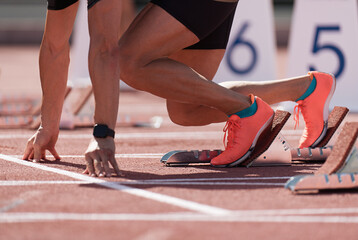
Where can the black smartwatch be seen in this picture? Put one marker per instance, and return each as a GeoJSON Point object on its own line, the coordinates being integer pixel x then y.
{"type": "Point", "coordinates": [102, 131]}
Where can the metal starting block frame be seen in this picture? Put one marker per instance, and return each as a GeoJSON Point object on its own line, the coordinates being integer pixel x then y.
{"type": "Point", "coordinates": [340, 171]}
{"type": "Point", "coordinates": [183, 157]}
{"type": "Point", "coordinates": [279, 152]}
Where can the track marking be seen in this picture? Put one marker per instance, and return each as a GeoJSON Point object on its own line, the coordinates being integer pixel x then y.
{"type": "Point", "coordinates": [238, 216]}
{"type": "Point", "coordinates": [31, 183]}
{"type": "Point", "coordinates": [221, 179]}
{"type": "Point", "coordinates": [190, 205]}
{"type": "Point", "coordinates": [139, 182]}
{"type": "Point", "coordinates": [204, 183]}
{"type": "Point", "coordinates": [302, 211]}
{"type": "Point", "coordinates": [126, 155]}
{"type": "Point", "coordinates": [178, 181]}
{"type": "Point", "coordinates": [12, 205]}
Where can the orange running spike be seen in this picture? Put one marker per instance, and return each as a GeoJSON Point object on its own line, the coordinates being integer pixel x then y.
{"type": "Point", "coordinates": [315, 109]}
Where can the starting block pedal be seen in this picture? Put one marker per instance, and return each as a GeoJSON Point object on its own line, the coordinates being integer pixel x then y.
{"type": "Point", "coordinates": [310, 183]}
{"type": "Point", "coordinates": [310, 155]}
{"type": "Point", "coordinates": [321, 152]}
{"type": "Point", "coordinates": [335, 119]}
{"type": "Point", "coordinates": [183, 157]}
{"type": "Point", "coordinates": [340, 170]}
{"type": "Point", "coordinates": [342, 149]}
{"type": "Point", "coordinates": [266, 139]}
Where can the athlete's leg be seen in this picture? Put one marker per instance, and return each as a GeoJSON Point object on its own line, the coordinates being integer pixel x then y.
{"type": "Point", "coordinates": [104, 18]}
{"type": "Point", "coordinates": [144, 63]}
{"type": "Point", "coordinates": [274, 91]}
{"type": "Point", "coordinates": [128, 14]}
{"type": "Point", "coordinates": [206, 62]}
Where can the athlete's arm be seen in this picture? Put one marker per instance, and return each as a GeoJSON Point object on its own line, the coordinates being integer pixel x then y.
{"type": "Point", "coordinates": [53, 62]}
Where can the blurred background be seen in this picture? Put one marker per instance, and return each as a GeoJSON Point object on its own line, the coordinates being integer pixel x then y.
{"type": "Point", "coordinates": [22, 21]}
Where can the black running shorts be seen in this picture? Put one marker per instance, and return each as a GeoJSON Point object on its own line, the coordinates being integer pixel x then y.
{"type": "Point", "coordinates": [62, 4]}
{"type": "Point", "coordinates": [209, 20]}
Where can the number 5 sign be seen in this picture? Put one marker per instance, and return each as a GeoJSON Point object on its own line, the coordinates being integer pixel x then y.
{"type": "Point", "coordinates": [251, 50]}
{"type": "Point", "coordinates": [324, 37]}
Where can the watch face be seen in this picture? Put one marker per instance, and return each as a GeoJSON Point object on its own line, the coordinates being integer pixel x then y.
{"type": "Point", "coordinates": [100, 131]}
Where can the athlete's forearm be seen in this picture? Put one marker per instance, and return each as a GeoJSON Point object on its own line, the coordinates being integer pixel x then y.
{"type": "Point", "coordinates": [103, 59]}
{"type": "Point", "coordinates": [105, 80]}
{"type": "Point", "coordinates": [53, 74]}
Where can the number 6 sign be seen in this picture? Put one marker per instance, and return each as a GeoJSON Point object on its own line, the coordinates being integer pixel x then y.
{"type": "Point", "coordinates": [324, 37]}
{"type": "Point", "coordinates": [251, 50]}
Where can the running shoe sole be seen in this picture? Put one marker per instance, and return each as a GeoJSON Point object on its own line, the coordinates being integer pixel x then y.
{"type": "Point", "coordinates": [325, 113]}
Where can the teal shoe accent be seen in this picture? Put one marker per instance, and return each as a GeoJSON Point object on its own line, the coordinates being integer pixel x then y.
{"type": "Point", "coordinates": [310, 89]}
{"type": "Point", "coordinates": [247, 112]}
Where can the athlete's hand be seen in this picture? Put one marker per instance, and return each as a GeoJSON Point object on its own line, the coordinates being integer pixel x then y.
{"type": "Point", "coordinates": [99, 154]}
{"type": "Point", "coordinates": [41, 141]}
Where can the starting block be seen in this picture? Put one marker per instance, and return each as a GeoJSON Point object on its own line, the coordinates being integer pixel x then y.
{"type": "Point", "coordinates": [31, 118]}
{"type": "Point", "coordinates": [279, 152]}
{"type": "Point", "coordinates": [181, 157]}
{"type": "Point", "coordinates": [321, 152]}
{"type": "Point", "coordinates": [335, 119]}
{"type": "Point", "coordinates": [72, 117]}
{"type": "Point", "coordinates": [15, 109]}
{"type": "Point", "coordinates": [340, 170]}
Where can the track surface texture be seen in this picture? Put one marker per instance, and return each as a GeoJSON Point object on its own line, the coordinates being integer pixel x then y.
{"type": "Point", "coordinates": [53, 200]}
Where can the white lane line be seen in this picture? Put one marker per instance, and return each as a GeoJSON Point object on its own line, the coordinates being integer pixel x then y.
{"type": "Point", "coordinates": [178, 181]}
{"type": "Point", "coordinates": [140, 155]}
{"type": "Point", "coordinates": [31, 183]}
{"type": "Point", "coordinates": [186, 204]}
{"type": "Point", "coordinates": [145, 182]}
{"type": "Point", "coordinates": [150, 135]}
{"type": "Point", "coordinates": [125, 155]}
{"type": "Point", "coordinates": [204, 183]}
{"type": "Point", "coordinates": [183, 217]}
{"type": "Point", "coordinates": [220, 179]}
{"type": "Point", "coordinates": [298, 211]}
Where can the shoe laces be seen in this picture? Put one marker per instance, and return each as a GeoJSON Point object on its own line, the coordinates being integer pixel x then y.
{"type": "Point", "coordinates": [230, 127]}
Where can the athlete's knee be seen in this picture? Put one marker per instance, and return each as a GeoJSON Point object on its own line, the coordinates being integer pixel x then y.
{"type": "Point", "coordinates": [129, 71]}
{"type": "Point", "coordinates": [55, 46]}
{"type": "Point", "coordinates": [130, 65]}
{"type": "Point", "coordinates": [103, 47]}
{"type": "Point", "coordinates": [180, 116]}
{"type": "Point", "coordinates": [180, 119]}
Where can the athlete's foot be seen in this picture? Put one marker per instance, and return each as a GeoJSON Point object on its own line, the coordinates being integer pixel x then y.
{"type": "Point", "coordinates": [314, 105]}
{"type": "Point", "coordinates": [243, 133]}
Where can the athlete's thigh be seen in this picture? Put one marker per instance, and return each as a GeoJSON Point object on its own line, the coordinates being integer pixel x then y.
{"type": "Point", "coordinates": [59, 23]}
{"type": "Point", "coordinates": [204, 61]}
{"type": "Point", "coordinates": [154, 34]}
{"type": "Point", "coordinates": [104, 18]}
